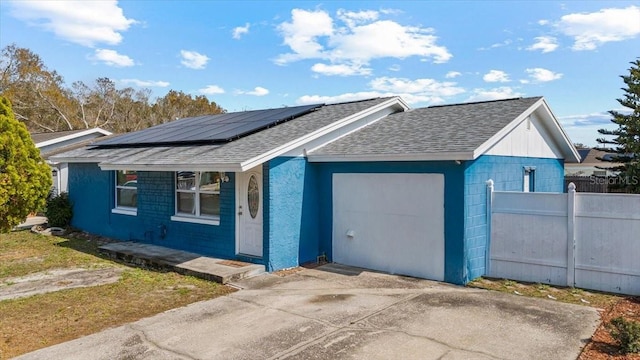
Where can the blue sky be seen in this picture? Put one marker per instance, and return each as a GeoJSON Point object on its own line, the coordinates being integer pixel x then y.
{"type": "Point", "coordinates": [258, 54]}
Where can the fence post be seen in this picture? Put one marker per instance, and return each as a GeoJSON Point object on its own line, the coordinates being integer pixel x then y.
{"type": "Point", "coordinates": [487, 255]}
{"type": "Point", "coordinates": [571, 238]}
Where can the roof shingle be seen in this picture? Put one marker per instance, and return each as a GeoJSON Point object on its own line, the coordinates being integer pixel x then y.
{"type": "Point", "coordinates": [436, 129]}
{"type": "Point", "coordinates": [234, 152]}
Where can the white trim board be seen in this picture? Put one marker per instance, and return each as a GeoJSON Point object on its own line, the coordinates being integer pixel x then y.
{"type": "Point", "coordinates": [395, 102]}
{"type": "Point", "coordinates": [547, 120]}
{"type": "Point", "coordinates": [73, 136]}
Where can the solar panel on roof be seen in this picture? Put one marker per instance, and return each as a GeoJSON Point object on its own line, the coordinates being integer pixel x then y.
{"type": "Point", "coordinates": [209, 129]}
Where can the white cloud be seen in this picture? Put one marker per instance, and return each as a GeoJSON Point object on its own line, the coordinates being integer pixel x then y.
{"type": "Point", "coordinates": [319, 99]}
{"type": "Point", "coordinates": [583, 128]}
{"type": "Point", "coordinates": [409, 98]}
{"type": "Point", "coordinates": [497, 45]}
{"type": "Point", "coordinates": [418, 91]}
{"type": "Point", "coordinates": [598, 118]}
{"type": "Point", "coordinates": [145, 83]}
{"type": "Point", "coordinates": [352, 18]}
{"type": "Point", "coordinates": [391, 11]}
{"type": "Point", "coordinates": [241, 30]}
{"type": "Point", "coordinates": [340, 69]}
{"type": "Point", "coordinates": [543, 22]}
{"type": "Point", "coordinates": [193, 59]}
{"type": "Point", "coordinates": [539, 75]}
{"type": "Point", "coordinates": [347, 40]}
{"type": "Point", "coordinates": [395, 67]}
{"type": "Point", "coordinates": [391, 40]}
{"type": "Point", "coordinates": [544, 43]}
{"type": "Point", "coordinates": [452, 74]}
{"type": "Point", "coordinates": [496, 76]}
{"type": "Point", "coordinates": [82, 22]}
{"type": "Point", "coordinates": [426, 87]}
{"type": "Point", "coordinates": [590, 30]}
{"type": "Point", "coordinates": [302, 33]}
{"type": "Point", "coordinates": [257, 91]}
{"type": "Point", "coordinates": [211, 90]}
{"type": "Point", "coordinates": [503, 92]}
{"type": "Point", "coordinates": [112, 58]}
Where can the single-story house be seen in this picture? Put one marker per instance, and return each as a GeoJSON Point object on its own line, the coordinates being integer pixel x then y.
{"type": "Point", "coordinates": [591, 165]}
{"type": "Point", "coordinates": [52, 143]}
{"type": "Point", "coordinates": [369, 183]}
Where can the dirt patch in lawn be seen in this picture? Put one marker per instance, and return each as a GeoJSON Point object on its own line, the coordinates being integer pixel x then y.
{"type": "Point", "coordinates": [602, 345]}
{"type": "Point", "coordinates": [56, 280]}
{"type": "Point", "coordinates": [112, 294]}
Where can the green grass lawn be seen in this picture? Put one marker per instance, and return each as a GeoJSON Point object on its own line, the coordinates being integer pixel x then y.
{"type": "Point", "coordinates": [38, 321]}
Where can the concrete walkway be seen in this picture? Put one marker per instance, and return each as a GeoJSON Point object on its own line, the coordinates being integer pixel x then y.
{"type": "Point", "coordinates": [335, 312]}
{"type": "Point", "coordinates": [183, 262]}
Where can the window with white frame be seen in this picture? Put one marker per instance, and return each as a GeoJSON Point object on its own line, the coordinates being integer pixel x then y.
{"type": "Point", "coordinates": [529, 179]}
{"type": "Point", "coordinates": [198, 194]}
{"type": "Point", "coordinates": [126, 189]}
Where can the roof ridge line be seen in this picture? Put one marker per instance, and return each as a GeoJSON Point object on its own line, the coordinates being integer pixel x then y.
{"type": "Point", "coordinates": [484, 101]}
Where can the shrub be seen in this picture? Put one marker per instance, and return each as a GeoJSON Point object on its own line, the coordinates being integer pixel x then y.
{"type": "Point", "coordinates": [626, 333]}
{"type": "Point", "coordinates": [25, 179]}
{"type": "Point", "coordinates": [59, 210]}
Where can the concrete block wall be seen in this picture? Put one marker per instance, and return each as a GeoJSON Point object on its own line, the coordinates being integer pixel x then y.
{"type": "Point", "coordinates": [156, 205]}
{"type": "Point", "coordinates": [507, 172]}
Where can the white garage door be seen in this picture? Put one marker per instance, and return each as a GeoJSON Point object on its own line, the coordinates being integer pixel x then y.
{"type": "Point", "coordinates": [390, 222]}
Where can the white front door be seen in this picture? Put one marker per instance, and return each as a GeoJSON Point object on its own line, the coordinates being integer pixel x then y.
{"type": "Point", "coordinates": [249, 219]}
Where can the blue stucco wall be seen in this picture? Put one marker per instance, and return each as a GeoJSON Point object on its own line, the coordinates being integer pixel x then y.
{"type": "Point", "coordinates": [454, 203]}
{"type": "Point", "coordinates": [291, 215]}
{"type": "Point", "coordinates": [92, 192]}
{"type": "Point", "coordinates": [507, 172]}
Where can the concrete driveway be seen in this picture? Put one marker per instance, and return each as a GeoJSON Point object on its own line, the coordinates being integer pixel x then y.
{"type": "Point", "coordinates": [337, 312]}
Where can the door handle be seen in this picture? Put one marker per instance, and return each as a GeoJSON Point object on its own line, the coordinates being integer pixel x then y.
{"type": "Point", "coordinates": [240, 210]}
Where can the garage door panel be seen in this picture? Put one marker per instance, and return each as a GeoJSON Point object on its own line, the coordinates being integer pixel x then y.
{"type": "Point", "coordinates": [397, 228]}
{"type": "Point", "coordinates": [381, 247]}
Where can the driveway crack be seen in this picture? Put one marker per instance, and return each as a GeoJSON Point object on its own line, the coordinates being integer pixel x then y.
{"type": "Point", "coordinates": [450, 346]}
{"type": "Point", "coordinates": [147, 340]}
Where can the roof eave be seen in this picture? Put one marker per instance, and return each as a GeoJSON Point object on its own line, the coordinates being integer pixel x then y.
{"type": "Point", "coordinates": [227, 167]}
{"type": "Point", "coordinates": [444, 156]}
{"type": "Point", "coordinates": [396, 103]}
{"type": "Point", "coordinates": [73, 136]}
{"type": "Point", "coordinates": [557, 132]}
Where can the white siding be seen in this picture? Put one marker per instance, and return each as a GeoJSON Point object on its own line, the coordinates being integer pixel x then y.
{"type": "Point", "coordinates": [529, 138]}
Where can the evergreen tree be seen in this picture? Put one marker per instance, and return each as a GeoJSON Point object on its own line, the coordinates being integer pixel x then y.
{"type": "Point", "coordinates": [625, 144]}
{"type": "Point", "coordinates": [25, 179]}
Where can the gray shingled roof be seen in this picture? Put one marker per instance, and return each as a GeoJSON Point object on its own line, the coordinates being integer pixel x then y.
{"type": "Point", "coordinates": [439, 129]}
{"type": "Point", "coordinates": [235, 152]}
{"type": "Point", "coordinates": [46, 136]}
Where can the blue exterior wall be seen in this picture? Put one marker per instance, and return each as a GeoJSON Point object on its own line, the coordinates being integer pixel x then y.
{"type": "Point", "coordinates": [298, 208]}
{"type": "Point", "coordinates": [291, 213]}
{"type": "Point", "coordinates": [92, 190]}
{"type": "Point", "coordinates": [507, 172]}
{"type": "Point", "coordinates": [453, 204]}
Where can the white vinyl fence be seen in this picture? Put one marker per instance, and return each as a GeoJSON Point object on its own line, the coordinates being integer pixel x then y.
{"type": "Point", "coordinates": [586, 240]}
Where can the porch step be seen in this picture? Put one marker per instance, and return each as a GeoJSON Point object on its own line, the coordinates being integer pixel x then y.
{"type": "Point", "coordinates": [182, 262]}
